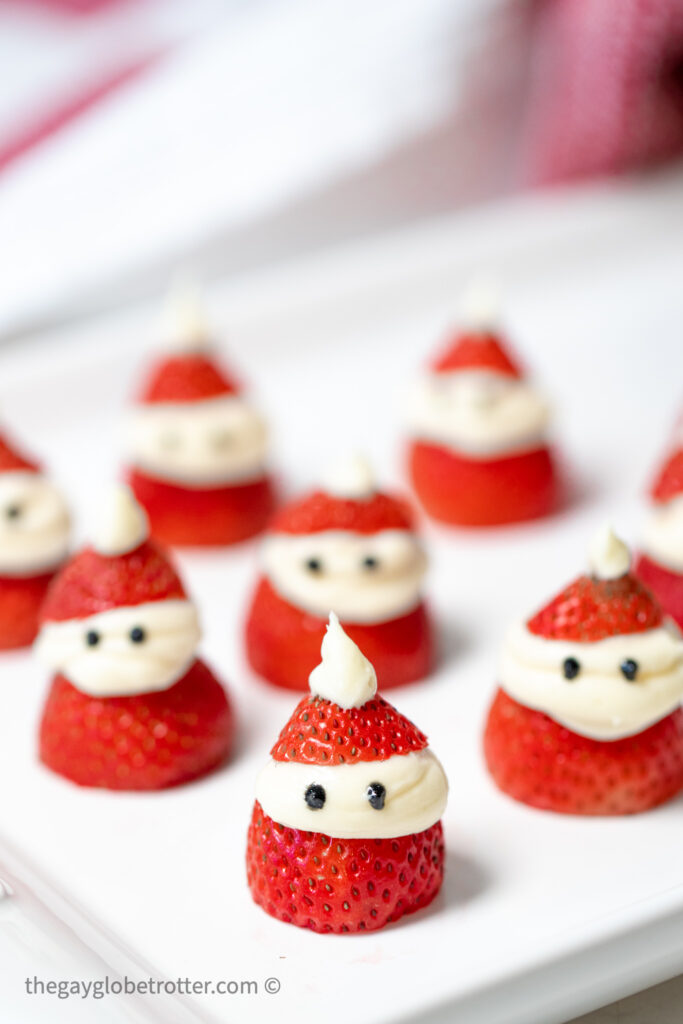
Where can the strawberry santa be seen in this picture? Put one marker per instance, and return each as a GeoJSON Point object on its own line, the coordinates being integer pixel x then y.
{"type": "Point", "coordinates": [478, 454]}
{"type": "Point", "coordinates": [660, 564]}
{"type": "Point", "coordinates": [349, 547]}
{"type": "Point", "coordinates": [34, 538]}
{"type": "Point", "coordinates": [130, 706]}
{"type": "Point", "coordinates": [587, 719]}
{"type": "Point", "coordinates": [196, 447]}
{"type": "Point", "coordinates": [345, 834]}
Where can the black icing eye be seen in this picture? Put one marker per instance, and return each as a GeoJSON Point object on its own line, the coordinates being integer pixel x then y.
{"type": "Point", "coordinates": [314, 565]}
{"type": "Point", "coordinates": [370, 562]}
{"type": "Point", "coordinates": [571, 668]}
{"type": "Point", "coordinates": [629, 669]}
{"type": "Point", "coordinates": [137, 634]}
{"type": "Point", "coordinates": [13, 511]}
{"type": "Point", "coordinates": [376, 794]}
{"type": "Point", "coordinates": [92, 638]}
{"type": "Point", "coordinates": [315, 796]}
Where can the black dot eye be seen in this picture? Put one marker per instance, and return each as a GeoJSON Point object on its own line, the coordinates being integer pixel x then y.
{"type": "Point", "coordinates": [571, 668]}
{"type": "Point", "coordinates": [137, 634]}
{"type": "Point", "coordinates": [314, 565]}
{"type": "Point", "coordinates": [376, 794]}
{"type": "Point", "coordinates": [92, 638]}
{"type": "Point", "coordinates": [629, 669]}
{"type": "Point", "coordinates": [315, 796]}
{"type": "Point", "coordinates": [13, 511]}
{"type": "Point", "coordinates": [370, 562]}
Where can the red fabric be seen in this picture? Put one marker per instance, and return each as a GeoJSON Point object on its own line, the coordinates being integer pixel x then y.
{"type": "Point", "coordinates": [476, 352]}
{"type": "Point", "coordinates": [10, 458]}
{"type": "Point", "coordinates": [92, 583]}
{"type": "Point", "coordinates": [319, 511]}
{"type": "Point", "coordinates": [607, 87]}
{"type": "Point", "coordinates": [189, 377]}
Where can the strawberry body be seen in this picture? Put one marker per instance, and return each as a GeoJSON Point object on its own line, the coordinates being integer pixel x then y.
{"type": "Point", "coordinates": [341, 885]}
{"type": "Point", "coordinates": [283, 642]}
{"type": "Point", "coordinates": [142, 742]}
{"type": "Point", "coordinates": [483, 492]}
{"type": "Point", "coordinates": [542, 763]}
{"type": "Point", "coordinates": [212, 516]}
{"type": "Point", "coordinates": [665, 584]}
{"type": "Point", "coordinates": [21, 599]}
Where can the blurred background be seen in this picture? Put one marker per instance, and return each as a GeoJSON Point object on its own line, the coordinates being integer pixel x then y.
{"type": "Point", "coordinates": [137, 135]}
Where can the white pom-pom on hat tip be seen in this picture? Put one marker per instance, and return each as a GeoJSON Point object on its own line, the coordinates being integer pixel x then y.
{"type": "Point", "coordinates": [480, 306]}
{"type": "Point", "coordinates": [350, 477]}
{"type": "Point", "coordinates": [121, 525]}
{"type": "Point", "coordinates": [344, 676]}
{"type": "Point", "coordinates": [609, 557]}
{"type": "Point", "coordinates": [185, 323]}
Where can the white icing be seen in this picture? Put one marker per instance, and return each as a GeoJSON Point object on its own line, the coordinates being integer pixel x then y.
{"type": "Point", "coordinates": [480, 307]}
{"type": "Point", "coordinates": [478, 412]}
{"type": "Point", "coordinates": [344, 676]}
{"type": "Point", "coordinates": [116, 666]}
{"type": "Point", "coordinates": [122, 524]}
{"type": "Point", "coordinates": [352, 477]}
{"type": "Point", "coordinates": [34, 524]}
{"type": "Point", "coordinates": [198, 444]}
{"type": "Point", "coordinates": [357, 594]}
{"type": "Point", "coordinates": [663, 536]}
{"type": "Point", "coordinates": [609, 558]}
{"type": "Point", "coordinates": [599, 702]}
{"type": "Point", "coordinates": [416, 795]}
{"type": "Point", "coordinates": [185, 326]}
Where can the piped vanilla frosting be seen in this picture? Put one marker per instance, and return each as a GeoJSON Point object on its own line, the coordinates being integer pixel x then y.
{"type": "Point", "coordinates": [121, 524]}
{"type": "Point", "coordinates": [34, 524]}
{"type": "Point", "coordinates": [663, 535]}
{"type": "Point", "coordinates": [344, 675]}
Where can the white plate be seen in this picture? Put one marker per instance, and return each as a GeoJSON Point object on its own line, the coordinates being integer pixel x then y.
{"type": "Point", "coordinates": [541, 917]}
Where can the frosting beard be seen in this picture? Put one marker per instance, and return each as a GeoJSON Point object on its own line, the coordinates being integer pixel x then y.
{"type": "Point", "coordinates": [365, 578]}
{"type": "Point", "coordinates": [599, 702]}
{"type": "Point", "coordinates": [34, 524]}
{"type": "Point", "coordinates": [416, 795]}
{"type": "Point", "coordinates": [663, 537]}
{"type": "Point", "coordinates": [123, 651]}
{"type": "Point", "coordinates": [198, 444]}
{"type": "Point", "coordinates": [477, 412]}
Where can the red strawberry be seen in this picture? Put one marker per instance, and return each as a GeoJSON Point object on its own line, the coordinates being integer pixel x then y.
{"type": "Point", "coordinates": [341, 885]}
{"type": "Point", "coordinates": [542, 763]}
{"type": "Point", "coordinates": [483, 492]}
{"type": "Point", "coordinates": [21, 598]}
{"type": "Point", "coordinates": [476, 352]}
{"type": "Point", "coordinates": [144, 742]}
{"type": "Point", "coordinates": [187, 377]}
{"type": "Point", "coordinates": [591, 609]}
{"type": "Point", "coordinates": [669, 483]}
{"type": "Point", "coordinates": [666, 585]}
{"type": "Point", "coordinates": [320, 511]}
{"type": "Point", "coordinates": [204, 516]}
{"type": "Point", "coordinates": [320, 732]}
{"type": "Point", "coordinates": [283, 642]}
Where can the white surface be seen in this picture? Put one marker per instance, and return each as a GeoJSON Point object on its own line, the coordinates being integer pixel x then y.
{"type": "Point", "coordinates": [541, 917]}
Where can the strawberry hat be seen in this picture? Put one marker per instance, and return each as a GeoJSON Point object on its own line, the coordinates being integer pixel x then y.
{"type": "Point", "coordinates": [188, 372]}
{"type": "Point", "coordinates": [609, 602]}
{"type": "Point", "coordinates": [348, 500]}
{"type": "Point", "coordinates": [121, 568]}
{"type": "Point", "coordinates": [669, 482]}
{"type": "Point", "coordinates": [477, 345]}
{"type": "Point", "coordinates": [12, 459]}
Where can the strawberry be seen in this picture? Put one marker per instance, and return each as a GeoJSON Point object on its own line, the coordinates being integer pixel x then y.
{"type": "Point", "coordinates": [590, 609]}
{"type": "Point", "coordinates": [542, 763]}
{"type": "Point", "coordinates": [283, 642]}
{"type": "Point", "coordinates": [320, 732]}
{"type": "Point", "coordinates": [144, 742]}
{"type": "Point", "coordinates": [21, 598]}
{"type": "Point", "coordinates": [204, 516]}
{"type": "Point", "coordinates": [669, 483]}
{"type": "Point", "coordinates": [341, 885]}
{"type": "Point", "coordinates": [476, 352]}
{"type": "Point", "coordinates": [666, 585]}
{"type": "Point", "coordinates": [186, 377]}
{"type": "Point", "coordinates": [320, 511]}
{"type": "Point", "coordinates": [483, 492]}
